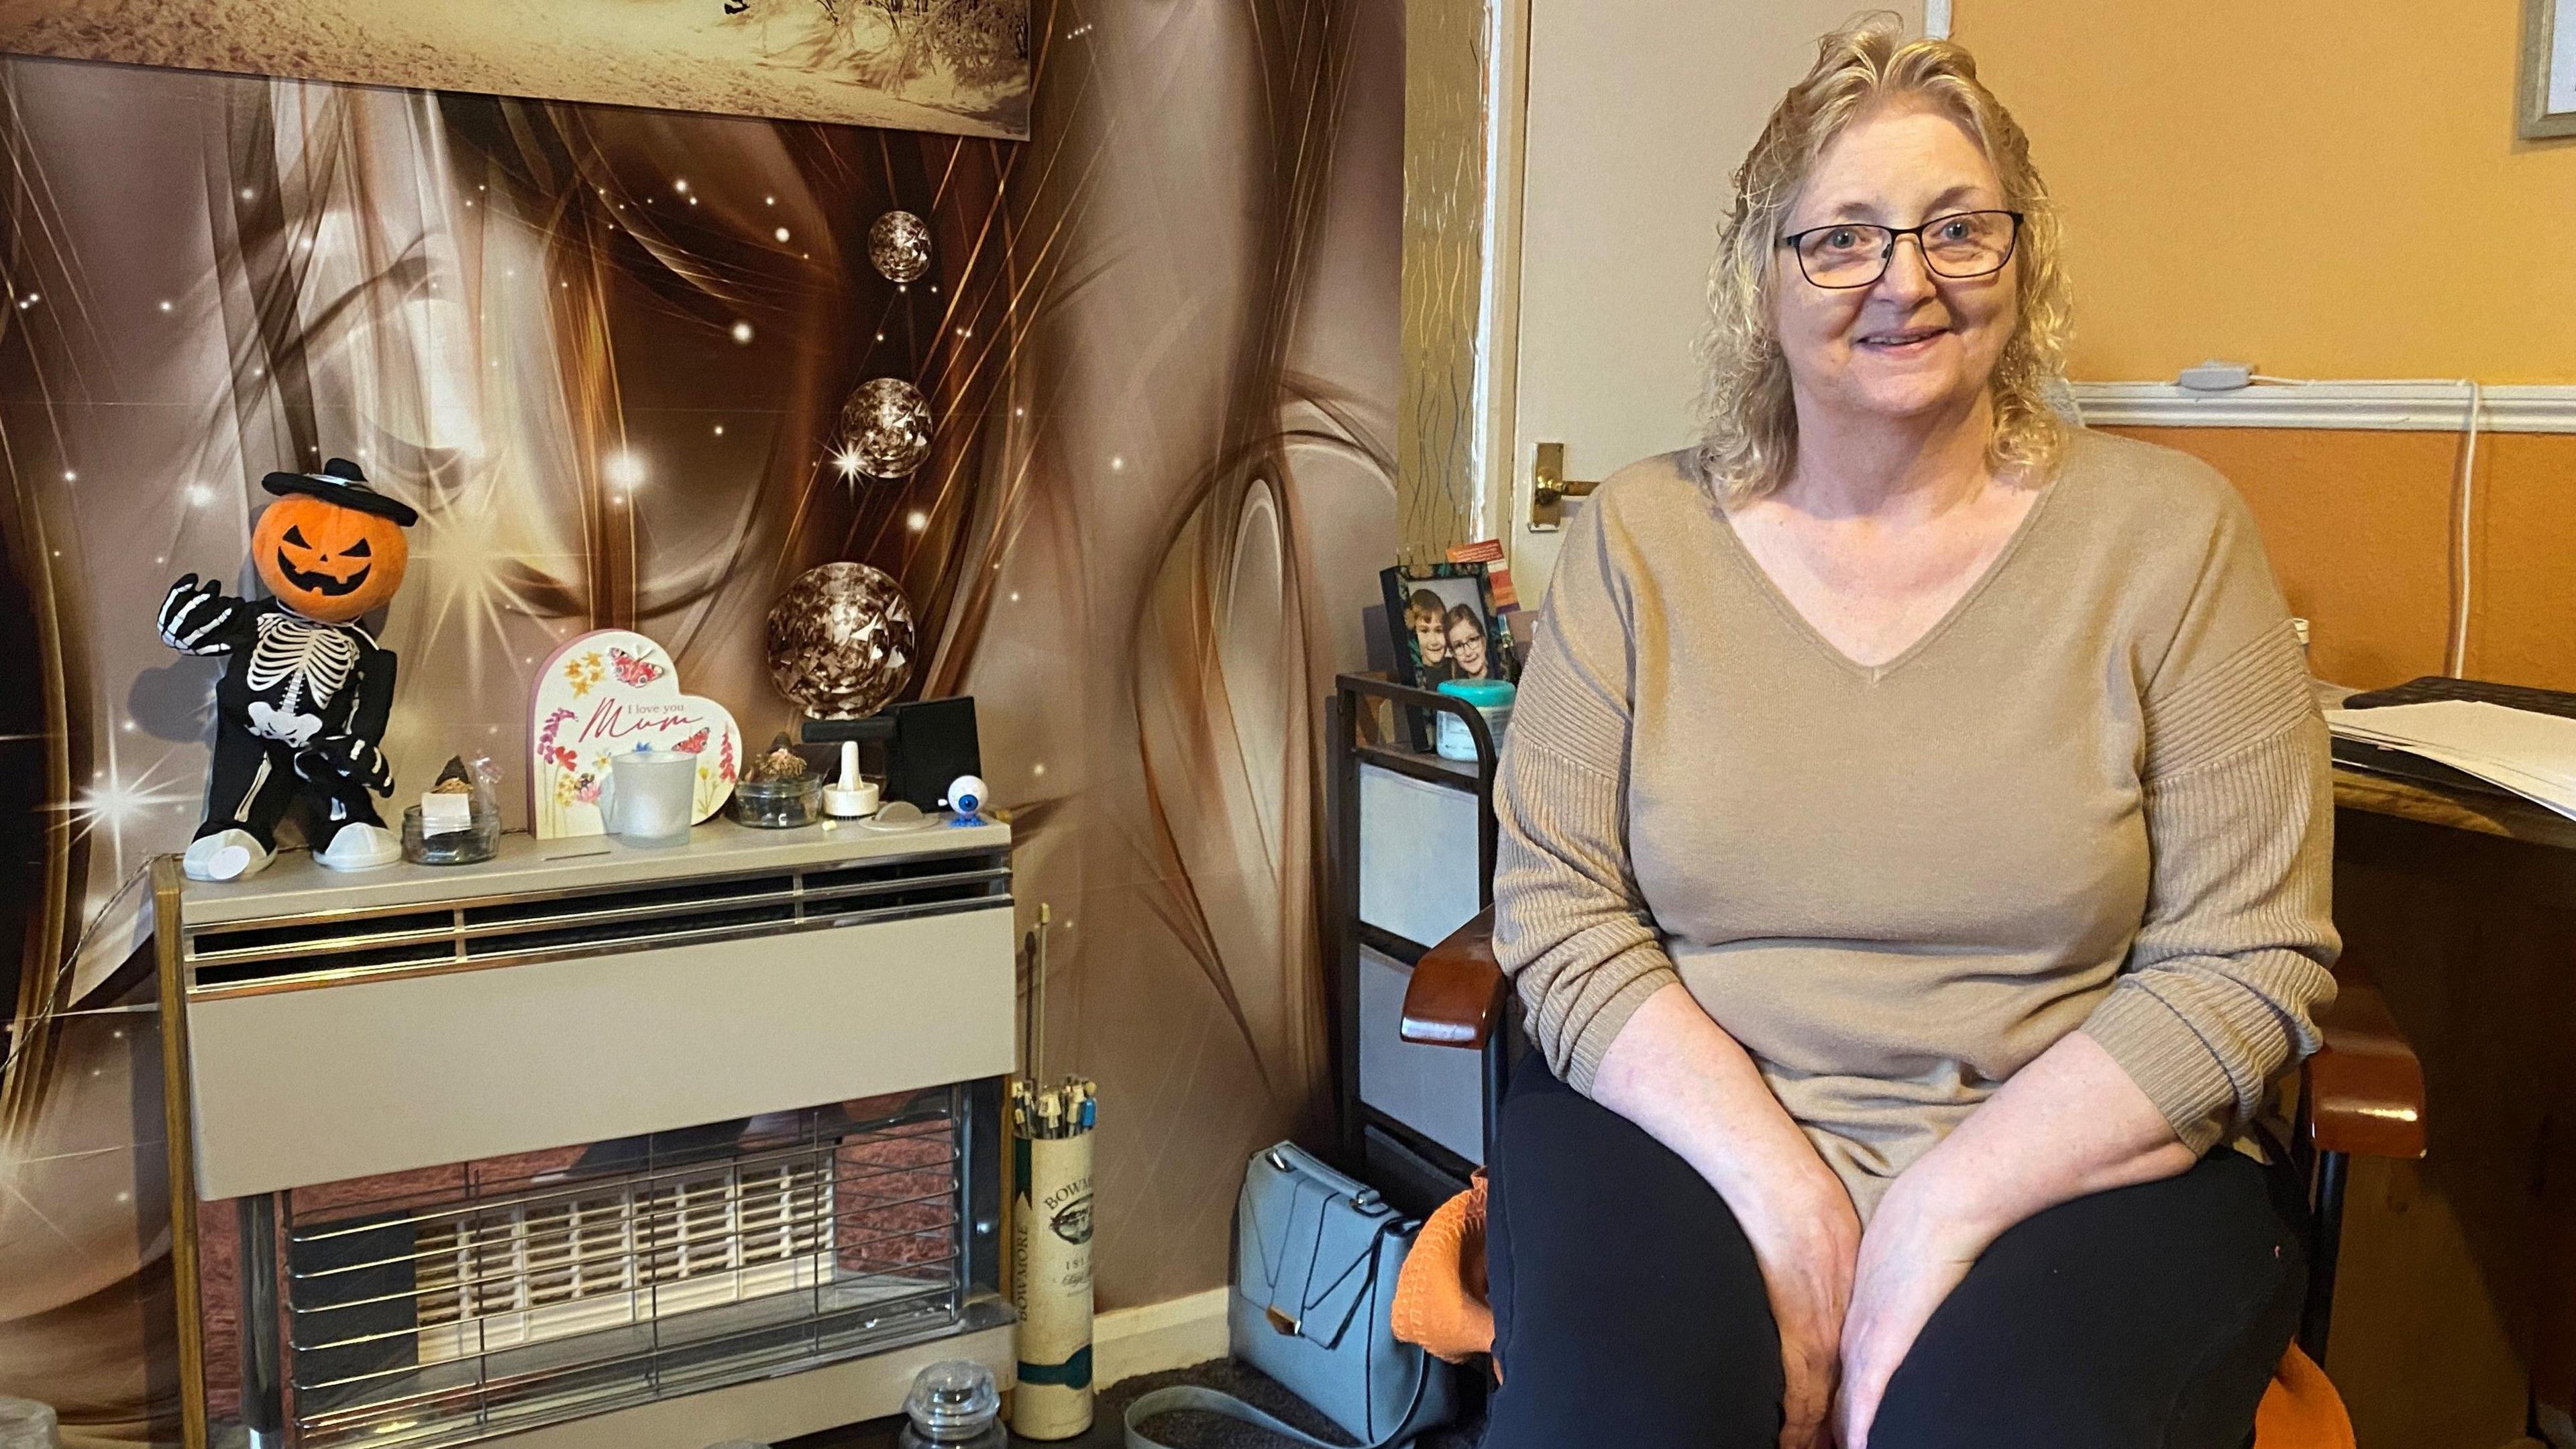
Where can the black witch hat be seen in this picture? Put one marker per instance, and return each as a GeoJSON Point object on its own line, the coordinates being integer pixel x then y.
{"type": "Point", "coordinates": [341, 482]}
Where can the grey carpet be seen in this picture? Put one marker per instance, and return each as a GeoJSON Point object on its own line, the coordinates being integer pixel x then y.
{"type": "Point", "coordinates": [1185, 1430]}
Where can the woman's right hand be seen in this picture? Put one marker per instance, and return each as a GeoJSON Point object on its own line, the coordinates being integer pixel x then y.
{"type": "Point", "coordinates": [1676, 1073]}
{"type": "Point", "coordinates": [1806, 1236]}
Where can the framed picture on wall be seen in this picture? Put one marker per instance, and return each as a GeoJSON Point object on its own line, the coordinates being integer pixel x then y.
{"type": "Point", "coordinates": [1444, 626]}
{"type": "Point", "coordinates": [924, 65]}
{"type": "Point", "coordinates": [2548, 69]}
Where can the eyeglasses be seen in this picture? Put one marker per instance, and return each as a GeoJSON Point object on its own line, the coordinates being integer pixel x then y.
{"type": "Point", "coordinates": [1846, 254]}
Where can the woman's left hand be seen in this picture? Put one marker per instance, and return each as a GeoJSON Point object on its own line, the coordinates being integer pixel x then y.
{"type": "Point", "coordinates": [1911, 1256]}
{"type": "Point", "coordinates": [2069, 1124]}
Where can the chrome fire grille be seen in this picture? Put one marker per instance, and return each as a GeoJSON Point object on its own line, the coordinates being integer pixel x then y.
{"type": "Point", "coordinates": [439, 1307]}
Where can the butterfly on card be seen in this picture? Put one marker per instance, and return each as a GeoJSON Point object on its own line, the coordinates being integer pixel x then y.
{"type": "Point", "coordinates": [694, 744]}
{"type": "Point", "coordinates": [632, 670]}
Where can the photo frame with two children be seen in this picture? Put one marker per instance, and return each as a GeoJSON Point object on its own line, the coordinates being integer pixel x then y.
{"type": "Point", "coordinates": [1443, 624]}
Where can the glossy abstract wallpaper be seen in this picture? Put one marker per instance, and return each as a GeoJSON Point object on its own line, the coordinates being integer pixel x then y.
{"type": "Point", "coordinates": [934, 65]}
{"type": "Point", "coordinates": [605, 352]}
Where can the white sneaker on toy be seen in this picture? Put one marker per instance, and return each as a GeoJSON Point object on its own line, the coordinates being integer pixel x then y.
{"type": "Point", "coordinates": [224, 855]}
{"type": "Point", "coordinates": [360, 847]}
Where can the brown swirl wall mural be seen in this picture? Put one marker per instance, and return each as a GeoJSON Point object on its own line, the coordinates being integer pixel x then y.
{"type": "Point", "coordinates": [934, 65]}
{"type": "Point", "coordinates": [607, 353]}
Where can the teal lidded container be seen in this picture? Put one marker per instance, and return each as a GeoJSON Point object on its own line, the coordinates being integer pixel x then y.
{"type": "Point", "coordinates": [1492, 699]}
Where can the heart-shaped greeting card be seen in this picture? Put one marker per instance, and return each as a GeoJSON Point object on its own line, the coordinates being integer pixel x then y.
{"type": "Point", "coordinates": [604, 693]}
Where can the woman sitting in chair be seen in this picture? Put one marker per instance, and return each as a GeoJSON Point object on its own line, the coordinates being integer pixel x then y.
{"type": "Point", "coordinates": [1914, 862]}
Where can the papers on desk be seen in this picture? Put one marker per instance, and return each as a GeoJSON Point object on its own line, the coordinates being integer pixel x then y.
{"type": "Point", "coordinates": [2533, 755]}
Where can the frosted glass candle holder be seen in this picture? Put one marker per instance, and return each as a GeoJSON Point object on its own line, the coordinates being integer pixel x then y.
{"type": "Point", "coordinates": [650, 796]}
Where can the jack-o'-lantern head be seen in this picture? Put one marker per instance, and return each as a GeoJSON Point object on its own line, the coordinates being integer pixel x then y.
{"type": "Point", "coordinates": [331, 548]}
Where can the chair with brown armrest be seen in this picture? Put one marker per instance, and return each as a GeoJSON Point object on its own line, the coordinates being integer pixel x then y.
{"type": "Point", "coordinates": [2361, 1092]}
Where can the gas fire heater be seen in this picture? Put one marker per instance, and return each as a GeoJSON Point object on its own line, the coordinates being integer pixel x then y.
{"type": "Point", "coordinates": [588, 1146]}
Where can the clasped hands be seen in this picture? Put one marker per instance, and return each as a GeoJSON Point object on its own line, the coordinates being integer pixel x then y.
{"type": "Point", "coordinates": [1849, 1303]}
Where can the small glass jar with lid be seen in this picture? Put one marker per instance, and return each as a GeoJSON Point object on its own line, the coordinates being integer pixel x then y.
{"type": "Point", "coordinates": [1492, 698]}
{"type": "Point", "coordinates": [953, 1405]}
{"type": "Point", "coordinates": [778, 804]}
{"type": "Point", "coordinates": [476, 841]}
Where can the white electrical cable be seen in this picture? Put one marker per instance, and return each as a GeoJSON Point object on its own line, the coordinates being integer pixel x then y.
{"type": "Point", "coordinates": [2458, 662]}
{"type": "Point", "coordinates": [2455, 655]}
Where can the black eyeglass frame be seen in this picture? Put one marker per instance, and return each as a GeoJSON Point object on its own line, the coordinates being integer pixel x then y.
{"type": "Point", "coordinates": [1887, 255]}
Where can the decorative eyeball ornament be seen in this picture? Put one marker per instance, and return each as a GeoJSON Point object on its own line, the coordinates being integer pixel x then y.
{"type": "Point", "coordinates": [967, 797]}
{"type": "Point", "coordinates": [301, 708]}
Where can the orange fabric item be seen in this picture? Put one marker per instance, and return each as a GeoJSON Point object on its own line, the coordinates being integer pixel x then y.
{"type": "Point", "coordinates": [1440, 1303]}
{"type": "Point", "coordinates": [2301, 1410]}
{"type": "Point", "coordinates": [1440, 1296]}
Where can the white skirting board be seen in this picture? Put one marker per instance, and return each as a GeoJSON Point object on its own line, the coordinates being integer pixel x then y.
{"type": "Point", "coordinates": [1176, 1333]}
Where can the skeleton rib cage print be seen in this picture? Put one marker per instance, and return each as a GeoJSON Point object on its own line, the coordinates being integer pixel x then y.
{"type": "Point", "coordinates": [313, 660]}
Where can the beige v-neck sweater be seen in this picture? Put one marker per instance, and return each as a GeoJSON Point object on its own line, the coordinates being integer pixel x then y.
{"type": "Point", "coordinates": [2095, 797]}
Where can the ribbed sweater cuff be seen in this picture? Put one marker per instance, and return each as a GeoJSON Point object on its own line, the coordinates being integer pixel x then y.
{"type": "Point", "coordinates": [1592, 1042]}
{"type": "Point", "coordinates": [2169, 1062]}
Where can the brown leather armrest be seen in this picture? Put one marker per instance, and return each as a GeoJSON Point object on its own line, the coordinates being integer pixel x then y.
{"type": "Point", "coordinates": [2364, 1087]}
{"type": "Point", "coordinates": [1457, 991]}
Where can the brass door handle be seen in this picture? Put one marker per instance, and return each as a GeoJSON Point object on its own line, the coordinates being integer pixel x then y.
{"type": "Point", "coordinates": [1549, 488]}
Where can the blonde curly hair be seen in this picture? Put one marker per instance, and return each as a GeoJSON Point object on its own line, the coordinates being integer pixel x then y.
{"type": "Point", "coordinates": [1749, 442]}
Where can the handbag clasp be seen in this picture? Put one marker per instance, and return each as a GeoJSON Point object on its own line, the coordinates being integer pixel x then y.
{"type": "Point", "coordinates": [1281, 1323]}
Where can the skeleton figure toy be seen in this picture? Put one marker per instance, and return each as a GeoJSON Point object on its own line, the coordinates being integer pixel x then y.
{"type": "Point", "coordinates": [305, 693]}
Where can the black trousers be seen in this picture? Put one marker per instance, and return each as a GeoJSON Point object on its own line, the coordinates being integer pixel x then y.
{"type": "Point", "coordinates": [254, 782]}
{"type": "Point", "coordinates": [1628, 1308]}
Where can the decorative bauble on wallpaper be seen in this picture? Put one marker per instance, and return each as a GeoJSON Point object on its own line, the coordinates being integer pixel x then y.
{"type": "Point", "coordinates": [609, 691]}
{"type": "Point", "coordinates": [886, 428]}
{"type": "Point", "coordinates": [899, 245]}
{"type": "Point", "coordinates": [841, 641]}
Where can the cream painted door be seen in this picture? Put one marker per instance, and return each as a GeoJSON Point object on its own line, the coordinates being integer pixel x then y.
{"type": "Point", "coordinates": [1636, 112]}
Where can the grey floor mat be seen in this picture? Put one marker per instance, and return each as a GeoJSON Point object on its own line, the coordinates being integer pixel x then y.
{"type": "Point", "coordinates": [1181, 1430]}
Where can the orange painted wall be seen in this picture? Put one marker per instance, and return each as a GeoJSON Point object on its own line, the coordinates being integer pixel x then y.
{"type": "Point", "coordinates": [2333, 189]}
{"type": "Point", "coordinates": [2359, 529]}
{"type": "Point", "coordinates": [2325, 188]}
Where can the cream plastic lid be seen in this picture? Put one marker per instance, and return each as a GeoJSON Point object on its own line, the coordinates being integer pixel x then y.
{"type": "Point", "coordinates": [852, 796]}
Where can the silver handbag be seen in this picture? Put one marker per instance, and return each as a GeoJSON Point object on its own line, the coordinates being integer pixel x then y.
{"type": "Point", "coordinates": [1315, 1262]}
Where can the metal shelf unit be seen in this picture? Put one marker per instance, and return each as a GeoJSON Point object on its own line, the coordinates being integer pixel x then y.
{"type": "Point", "coordinates": [1411, 858]}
